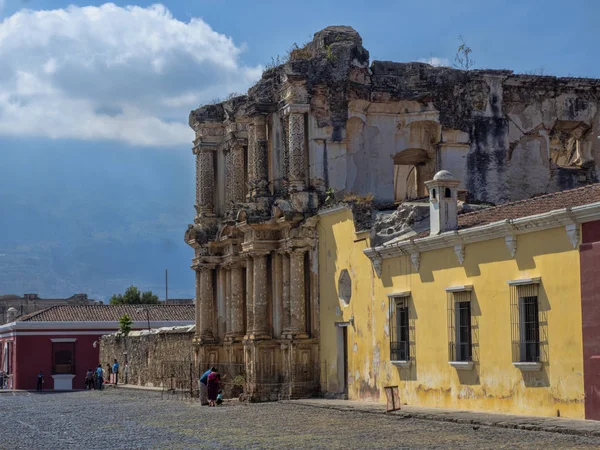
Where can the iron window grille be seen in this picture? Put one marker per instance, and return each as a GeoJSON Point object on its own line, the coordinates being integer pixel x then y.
{"type": "Point", "coordinates": [462, 327]}
{"type": "Point", "coordinates": [401, 329]}
{"type": "Point", "coordinates": [529, 325]}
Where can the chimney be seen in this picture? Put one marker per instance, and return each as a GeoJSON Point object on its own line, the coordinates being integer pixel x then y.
{"type": "Point", "coordinates": [442, 202]}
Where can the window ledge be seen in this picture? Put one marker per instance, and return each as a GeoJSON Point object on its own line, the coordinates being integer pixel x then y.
{"type": "Point", "coordinates": [528, 366]}
{"type": "Point", "coordinates": [402, 364]}
{"type": "Point", "coordinates": [63, 375]}
{"type": "Point", "coordinates": [462, 365]}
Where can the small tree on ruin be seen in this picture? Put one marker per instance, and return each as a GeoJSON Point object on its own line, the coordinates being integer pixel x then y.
{"type": "Point", "coordinates": [463, 59]}
{"type": "Point", "coordinates": [125, 324]}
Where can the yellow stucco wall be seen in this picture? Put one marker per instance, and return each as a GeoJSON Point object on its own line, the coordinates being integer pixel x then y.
{"type": "Point", "coordinates": [494, 384]}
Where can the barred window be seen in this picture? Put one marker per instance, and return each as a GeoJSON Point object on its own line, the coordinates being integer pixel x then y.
{"type": "Point", "coordinates": [401, 325]}
{"type": "Point", "coordinates": [528, 324]}
{"type": "Point", "coordinates": [461, 325]}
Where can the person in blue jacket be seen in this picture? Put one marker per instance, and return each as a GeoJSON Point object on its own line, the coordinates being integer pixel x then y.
{"type": "Point", "coordinates": [203, 386]}
{"type": "Point", "coordinates": [115, 369]}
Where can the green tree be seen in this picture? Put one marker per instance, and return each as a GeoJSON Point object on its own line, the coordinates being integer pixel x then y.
{"type": "Point", "coordinates": [133, 296]}
{"type": "Point", "coordinates": [125, 323]}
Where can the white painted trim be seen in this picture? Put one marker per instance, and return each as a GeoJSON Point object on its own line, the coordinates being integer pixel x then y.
{"type": "Point", "coordinates": [402, 294]}
{"type": "Point", "coordinates": [57, 332]}
{"type": "Point", "coordinates": [333, 210]}
{"type": "Point", "coordinates": [401, 364]}
{"type": "Point", "coordinates": [138, 325]}
{"type": "Point", "coordinates": [63, 376]}
{"type": "Point", "coordinates": [495, 230]}
{"type": "Point", "coordinates": [466, 287]}
{"type": "Point", "coordinates": [64, 340]}
{"type": "Point", "coordinates": [528, 366]}
{"type": "Point", "coordinates": [462, 365]}
{"type": "Point", "coordinates": [524, 281]}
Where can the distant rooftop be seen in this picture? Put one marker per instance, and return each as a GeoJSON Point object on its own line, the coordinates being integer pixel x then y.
{"type": "Point", "coordinates": [111, 313]}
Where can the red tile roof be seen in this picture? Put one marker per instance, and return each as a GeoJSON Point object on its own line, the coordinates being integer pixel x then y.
{"type": "Point", "coordinates": [532, 206]}
{"type": "Point", "coordinates": [111, 313]}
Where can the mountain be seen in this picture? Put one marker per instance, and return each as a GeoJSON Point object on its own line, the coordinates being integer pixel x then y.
{"type": "Point", "coordinates": [94, 218]}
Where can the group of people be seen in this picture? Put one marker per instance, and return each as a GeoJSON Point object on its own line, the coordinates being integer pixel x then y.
{"type": "Point", "coordinates": [210, 388]}
{"type": "Point", "coordinates": [95, 379]}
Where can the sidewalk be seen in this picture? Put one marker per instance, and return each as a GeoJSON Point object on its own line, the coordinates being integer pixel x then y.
{"type": "Point", "coordinates": [532, 423]}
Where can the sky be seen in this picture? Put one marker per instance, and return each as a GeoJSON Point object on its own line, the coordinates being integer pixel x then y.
{"type": "Point", "coordinates": [96, 170]}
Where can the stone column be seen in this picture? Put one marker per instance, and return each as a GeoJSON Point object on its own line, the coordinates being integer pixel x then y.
{"type": "Point", "coordinates": [297, 157]}
{"type": "Point", "coordinates": [227, 273]}
{"type": "Point", "coordinates": [237, 301]}
{"type": "Point", "coordinates": [257, 145]}
{"type": "Point", "coordinates": [198, 303]}
{"type": "Point", "coordinates": [238, 172]}
{"type": "Point", "coordinates": [249, 295]}
{"type": "Point", "coordinates": [260, 310]}
{"type": "Point", "coordinates": [285, 271]}
{"type": "Point", "coordinates": [277, 293]}
{"type": "Point", "coordinates": [251, 152]}
{"type": "Point", "coordinates": [206, 303]}
{"type": "Point", "coordinates": [205, 180]}
{"type": "Point", "coordinates": [228, 179]}
{"type": "Point", "coordinates": [297, 294]}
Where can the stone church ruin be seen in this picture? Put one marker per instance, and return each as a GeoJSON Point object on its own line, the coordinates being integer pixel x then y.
{"type": "Point", "coordinates": [329, 125]}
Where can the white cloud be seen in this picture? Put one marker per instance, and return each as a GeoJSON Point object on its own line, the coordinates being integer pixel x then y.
{"type": "Point", "coordinates": [435, 61]}
{"type": "Point", "coordinates": [110, 72]}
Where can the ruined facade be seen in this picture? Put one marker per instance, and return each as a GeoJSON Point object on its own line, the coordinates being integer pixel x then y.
{"type": "Point", "coordinates": [327, 126]}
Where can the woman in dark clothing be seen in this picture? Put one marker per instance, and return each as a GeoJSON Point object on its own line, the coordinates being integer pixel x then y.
{"type": "Point", "coordinates": [213, 387]}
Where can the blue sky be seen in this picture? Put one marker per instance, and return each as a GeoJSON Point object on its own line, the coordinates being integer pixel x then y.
{"type": "Point", "coordinates": [96, 172]}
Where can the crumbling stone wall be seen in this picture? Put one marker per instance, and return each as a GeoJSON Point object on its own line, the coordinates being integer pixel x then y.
{"type": "Point", "coordinates": [152, 359]}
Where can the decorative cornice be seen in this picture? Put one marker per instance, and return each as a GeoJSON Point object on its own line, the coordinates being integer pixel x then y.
{"type": "Point", "coordinates": [495, 230]}
{"type": "Point", "coordinates": [459, 250]}
{"type": "Point", "coordinates": [401, 294]}
{"type": "Point", "coordinates": [524, 281]}
{"type": "Point", "coordinates": [295, 108]}
{"type": "Point", "coordinates": [333, 209]}
{"type": "Point", "coordinates": [466, 287]}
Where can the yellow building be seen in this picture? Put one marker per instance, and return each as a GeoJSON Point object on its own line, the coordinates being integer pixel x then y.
{"type": "Point", "coordinates": [482, 311]}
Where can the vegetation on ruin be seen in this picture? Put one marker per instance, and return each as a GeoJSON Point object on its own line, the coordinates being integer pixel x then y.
{"type": "Point", "coordinates": [125, 324]}
{"type": "Point", "coordinates": [463, 59]}
{"type": "Point", "coordinates": [133, 296]}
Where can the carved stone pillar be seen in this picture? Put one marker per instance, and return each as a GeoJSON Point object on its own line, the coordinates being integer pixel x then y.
{"type": "Point", "coordinates": [228, 179]}
{"type": "Point", "coordinates": [206, 303]}
{"type": "Point", "coordinates": [285, 270]}
{"type": "Point", "coordinates": [205, 180]}
{"type": "Point", "coordinates": [238, 172]}
{"type": "Point", "coordinates": [297, 294]}
{"type": "Point", "coordinates": [257, 144]}
{"type": "Point", "coordinates": [260, 303]}
{"type": "Point", "coordinates": [237, 301]}
{"type": "Point", "coordinates": [249, 295]}
{"type": "Point", "coordinates": [297, 156]}
{"type": "Point", "coordinates": [227, 274]}
{"type": "Point", "coordinates": [198, 303]}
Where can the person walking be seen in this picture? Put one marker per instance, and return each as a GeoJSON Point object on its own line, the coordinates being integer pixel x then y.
{"type": "Point", "coordinates": [40, 380]}
{"type": "Point", "coordinates": [115, 369]}
{"type": "Point", "coordinates": [203, 387]}
{"type": "Point", "coordinates": [213, 385]}
{"type": "Point", "coordinates": [99, 377]}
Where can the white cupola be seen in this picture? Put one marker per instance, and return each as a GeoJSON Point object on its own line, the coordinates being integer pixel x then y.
{"type": "Point", "coordinates": [443, 208]}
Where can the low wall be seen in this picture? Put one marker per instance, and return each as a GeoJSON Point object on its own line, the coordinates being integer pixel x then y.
{"type": "Point", "coordinates": [163, 359]}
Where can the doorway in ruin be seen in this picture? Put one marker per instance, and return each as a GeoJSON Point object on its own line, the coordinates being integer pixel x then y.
{"type": "Point", "coordinates": [412, 167]}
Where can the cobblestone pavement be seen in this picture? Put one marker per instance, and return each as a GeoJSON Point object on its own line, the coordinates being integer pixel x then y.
{"type": "Point", "coordinates": [116, 419]}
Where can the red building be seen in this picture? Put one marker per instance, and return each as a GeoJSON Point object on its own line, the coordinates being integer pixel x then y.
{"type": "Point", "coordinates": [62, 341]}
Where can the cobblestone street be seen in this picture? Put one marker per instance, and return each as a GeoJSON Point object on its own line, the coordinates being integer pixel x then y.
{"type": "Point", "coordinates": [116, 419]}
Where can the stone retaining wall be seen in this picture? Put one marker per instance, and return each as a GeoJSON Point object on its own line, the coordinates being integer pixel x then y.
{"type": "Point", "coordinates": [163, 359]}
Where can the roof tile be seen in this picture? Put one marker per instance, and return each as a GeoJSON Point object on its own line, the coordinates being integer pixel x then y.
{"type": "Point", "coordinates": [111, 313]}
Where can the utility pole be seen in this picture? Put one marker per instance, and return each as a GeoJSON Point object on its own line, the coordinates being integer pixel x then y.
{"type": "Point", "coordinates": [166, 286]}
